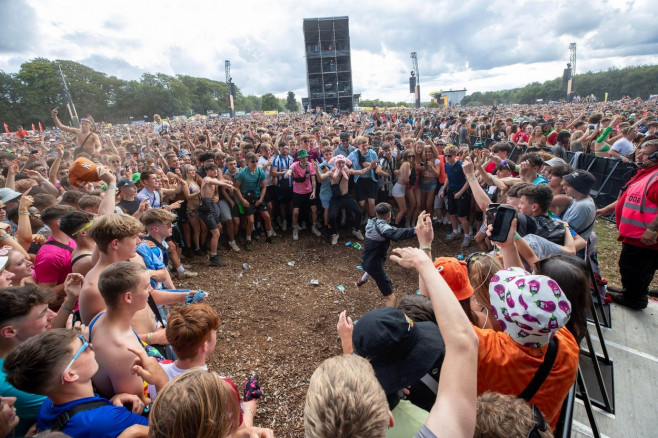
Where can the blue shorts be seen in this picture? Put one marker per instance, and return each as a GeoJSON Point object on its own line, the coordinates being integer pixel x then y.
{"type": "Point", "coordinates": [429, 186]}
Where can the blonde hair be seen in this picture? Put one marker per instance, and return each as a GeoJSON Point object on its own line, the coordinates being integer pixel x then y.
{"type": "Point", "coordinates": [107, 228]}
{"type": "Point", "coordinates": [344, 398]}
{"type": "Point", "coordinates": [450, 150]}
{"type": "Point", "coordinates": [197, 404]}
{"type": "Point", "coordinates": [480, 271]}
{"type": "Point", "coordinates": [503, 416]}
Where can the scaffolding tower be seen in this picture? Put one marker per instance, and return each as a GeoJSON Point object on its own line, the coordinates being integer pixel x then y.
{"type": "Point", "coordinates": [328, 64]}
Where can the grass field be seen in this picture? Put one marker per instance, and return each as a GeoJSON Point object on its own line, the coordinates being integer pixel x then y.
{"type": "Point", "coordinates": [609, 249]}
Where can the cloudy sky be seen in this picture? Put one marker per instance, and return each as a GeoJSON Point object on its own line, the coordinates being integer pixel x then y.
{"type": "Point", "coordinates": [473, 44]}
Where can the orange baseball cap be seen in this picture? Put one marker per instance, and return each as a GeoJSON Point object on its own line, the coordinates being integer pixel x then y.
{"type": "Point", "coordinates": [83, 170]}
{"type": "Point", "coordinates": [455, 273]}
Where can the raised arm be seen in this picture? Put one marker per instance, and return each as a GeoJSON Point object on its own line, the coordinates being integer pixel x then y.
{"type": "Point", "coordinates": [60, 125]}
{"type": "Point", "coordinates": [453, 412]}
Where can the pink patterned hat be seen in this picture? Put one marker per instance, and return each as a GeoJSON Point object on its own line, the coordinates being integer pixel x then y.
{"type": "Point", "coordinates": [530, 308]}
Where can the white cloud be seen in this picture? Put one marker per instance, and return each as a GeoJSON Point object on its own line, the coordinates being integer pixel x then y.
{"type": "Point", "coordinates": [474, 44]}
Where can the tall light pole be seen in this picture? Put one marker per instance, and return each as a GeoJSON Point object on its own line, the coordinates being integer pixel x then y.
{"type": "Point", "coordinates": [414, 72]}
{"type": "Point", "coordinates": [230, 87]}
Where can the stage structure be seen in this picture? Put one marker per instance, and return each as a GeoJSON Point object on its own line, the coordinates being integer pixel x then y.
{"type": "Point", "coordinates": [448, 98]}
{"type": "Point", "coordinates": [328, 65]}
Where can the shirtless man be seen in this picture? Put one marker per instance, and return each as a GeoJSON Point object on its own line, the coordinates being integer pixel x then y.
{"type": "Point", "coordinates": [87, 141]}
{"type": "Point", "coordinates": [209, 211]}
{"type": "Point", "coordinates": [340, 198]}
{"type": "Point", "coordinates": [117, 237]}
{"type": "Point", "coordinates": [125, 287]}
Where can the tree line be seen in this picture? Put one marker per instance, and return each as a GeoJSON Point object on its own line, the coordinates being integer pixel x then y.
{"type": "Point", "coordinates": [29, 96]}
{"type": "Point", "coordinates": [637, 81]}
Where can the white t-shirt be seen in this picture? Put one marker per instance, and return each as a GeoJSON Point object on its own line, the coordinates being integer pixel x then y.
{"type": "Point", "coordinates": [262, 162]}
{"type": "Point", "coordinates": [173, 371]}
{"type": "Point", "coordinates": [623, 146]}
{"type": "Point", "coordinates": [161, 127]}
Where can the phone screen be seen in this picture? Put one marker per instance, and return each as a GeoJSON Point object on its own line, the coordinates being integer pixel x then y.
{"type": "Point", "coordinates": [502, 223]}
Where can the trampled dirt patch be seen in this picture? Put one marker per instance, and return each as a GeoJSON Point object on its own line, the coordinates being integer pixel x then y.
{"type": "Point", "coordinates": [277, 325]}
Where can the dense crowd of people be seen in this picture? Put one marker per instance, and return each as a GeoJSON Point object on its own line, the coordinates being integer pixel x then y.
{"type": "Point", "coordinates": [96, 221]}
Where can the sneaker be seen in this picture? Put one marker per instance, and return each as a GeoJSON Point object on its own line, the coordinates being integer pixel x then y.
{"type": "Point", "coordinates": [234, 246]}
{"type": "Point", "coordinates": [314, 230]}
{"type": "Point", "coordinates": [452, 236]}
{"type": "Point", "coordinates": [334, 239]}
{"type": "Point", "coordinates": [360, 283]}
{"type": "Point", "coordinates": [216, 261]}
{"type": "Point", "coordinates": [270, 239]}
{"type": "Point", "coordinates": [303, 226]}
{"type": "Point", "coordinates": [199, 253]}
{"type": "Point", "coordinates": [467, 241]}
{"type": "Point", "coordinates": [459, 229]}
{"type": "Point", "coordinates": [255, 236]}
{"type": "Point", "coordinates": [357, 233]}
{"type": "Point", "coordinates": [274, 232]}
{"type": "Point", "coordinates": [295, 233]}
{"type": "Point", "coordinates": [247, 245]}
{"type": "Point", "coordinates": [187, 274]}
{"type": "Point", "coordinates": [284, 225]}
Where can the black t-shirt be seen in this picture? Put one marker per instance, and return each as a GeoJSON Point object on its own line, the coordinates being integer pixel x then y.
{"type": "Point", "coordinates": [129, 207]}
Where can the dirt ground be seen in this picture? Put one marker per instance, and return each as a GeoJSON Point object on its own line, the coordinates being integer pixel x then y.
{"type": "Point", "coordinates": [278, 326]}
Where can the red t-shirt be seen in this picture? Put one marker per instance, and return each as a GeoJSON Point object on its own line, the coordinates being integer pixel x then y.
{"type": "Point", "coordinates": [521, 135]}
{"type": "Point", "coordinates": [652, 195]}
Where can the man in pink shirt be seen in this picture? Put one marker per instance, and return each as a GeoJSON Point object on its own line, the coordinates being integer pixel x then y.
{"type": "Point", "coordinates": [53, 260]}
{"type": "Point", "coordinates": [303, 192]}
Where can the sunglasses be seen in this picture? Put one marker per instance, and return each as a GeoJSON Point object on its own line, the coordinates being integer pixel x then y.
{"type": "Point", "coordinates": [85, 345]}
{"type": "Point", "coordinates": [253, 161]}
{"type": "Point", "coordinates": [305, 141]}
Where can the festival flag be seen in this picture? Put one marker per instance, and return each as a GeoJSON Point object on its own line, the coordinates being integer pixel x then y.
{"type": "Point", "coordinates": [40, 127]}
{"type": "Point", "coordinates": [33, 128]}
{"type": "Point", "coordinates": [7, 129]}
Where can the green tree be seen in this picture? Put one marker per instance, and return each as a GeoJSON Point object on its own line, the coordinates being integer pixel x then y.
{"type": "Point", "coordinates": [269, 102]}
{"type": "Point", "coordinates": [291, 103]}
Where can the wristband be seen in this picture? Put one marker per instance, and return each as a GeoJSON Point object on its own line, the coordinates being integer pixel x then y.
{"type": "Point", "coordinates": [4, 236]}
{"type": "Point", "coordinates": [652, 231]}
{"type": "Point", "coordinates": [111, 187]}
{"type": "Point", "coordinates": [149, 338]}
{"type": "Point", "coordinates": [516, 237]}
{"type": "Point", "coordinates": [473, 179]}
{"type": "Point", "coordinates": [425, 247]}
{"type": "Point", "coordinates": [65, 307]}
{"type": "Point", "coordinates": [24, 213]}
{"type": "Point", "coordinates": [244, 410]}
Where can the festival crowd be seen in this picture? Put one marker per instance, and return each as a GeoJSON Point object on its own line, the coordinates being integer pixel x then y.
{"type": "Point", "coordinates": [96, 222]}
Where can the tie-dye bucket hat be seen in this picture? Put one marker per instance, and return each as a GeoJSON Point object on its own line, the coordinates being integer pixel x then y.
{"type": "Point", "coordinates": [529, 308]}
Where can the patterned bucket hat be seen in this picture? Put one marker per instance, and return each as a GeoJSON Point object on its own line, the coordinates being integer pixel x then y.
{"type": "Point", "coordinates": [530, 308]}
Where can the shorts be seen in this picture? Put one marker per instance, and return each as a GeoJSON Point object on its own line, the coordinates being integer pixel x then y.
{"type": "Point", "coordinates": [366, 188]}
{"type": "Point", "coordinates": [462, 206]}
{"type": "Point", "coordinates": [224, 210]}
{"type": "Point", "coordinates": [181, 213]}
{"type": "Point", "coordinates": [252, 209]}
{"type": "Point", "coordinates": [398, 190]}
{"type": "Point", "coordinates": [209, 213]}
{"type": "Point", "coordinates": [300, 200]}
{"type": "Point", "coordinates": [325, 200]}
{"type": "Point", "coordinates": [284, 194]}
{"type": "Point", "coordinates": [428, 186]}
{"type": "Point", "coordinates": [271, 194]}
